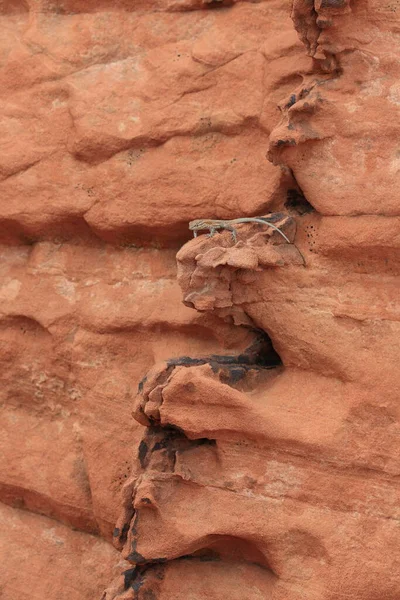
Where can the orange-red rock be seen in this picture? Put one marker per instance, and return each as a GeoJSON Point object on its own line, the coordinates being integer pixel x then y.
{"type": "Point", "coordinates": [43, 559]}
{"type": "Point", "coordinates": [339, 130]}
{"type": "Point", "coordinates": [71, 367]}
{"type": "Point", "coordinates": [263, 461]}
{"type": "Point", "coordinates": [99, 99]}
{"type": "Point", "coordinates": [291, 468]}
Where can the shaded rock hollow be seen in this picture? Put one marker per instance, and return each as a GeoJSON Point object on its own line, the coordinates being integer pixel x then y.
{"type": "Point", "coordinates": [263, 461]}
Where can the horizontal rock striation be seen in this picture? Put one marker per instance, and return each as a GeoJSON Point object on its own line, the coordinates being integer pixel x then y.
{"type": "Point", "coordinates": [284, 471]}
{"type": "Point", "coordinates": [262, 459]}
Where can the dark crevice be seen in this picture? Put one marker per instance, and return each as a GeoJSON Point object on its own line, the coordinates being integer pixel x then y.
{"type": "Point", "coordinates": [231, 370]}
{"type": "Point", "coordinates": [129, 576]}
{"type": "Point", "coordinates": [163, 445]}
{"type": "Point", "coordinates": [203, 555]}
{"type": "Point", "coordinates": [122, 534]}
{"type": "Point", "coordinates": [215, 4]}
{"type": "Point", "coordinates": [144, 579]}
{"type": "Point", "coordinates": [142, 453]}
{"type": "Point", "coordinates": [168, 440]}
{"type": "Point", "coordinates": [144, 576]}
{"type": "Point", "coordinates": [160, 450]}
{"type": "Point", "coordinates": [232, 367]}
{"type": "Point", "coordinates": [233, 549]}
{"type": "Point", "coordinates": [296, 201]}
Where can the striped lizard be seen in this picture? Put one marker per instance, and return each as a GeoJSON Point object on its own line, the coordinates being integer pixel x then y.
{"type": "Point", "coordinates": [214, 224]}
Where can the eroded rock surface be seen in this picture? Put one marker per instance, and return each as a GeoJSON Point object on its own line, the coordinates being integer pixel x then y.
{"type": "Point", "coordinates": [288, 470]}
{"type": "Point", "coordinates": [126, 122]}
{"type": "Point", "coordinates": [42, 558]}
{"type": "Point", "coordinates": [339, 131]}
{"type": "Point", "coordinates": [263, 458]}
{"type": "Point", "coordinates": [72, 365]}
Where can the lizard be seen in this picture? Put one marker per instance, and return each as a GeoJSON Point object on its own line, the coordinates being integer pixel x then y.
{"type": "Point", "coordinates": [214, 224]}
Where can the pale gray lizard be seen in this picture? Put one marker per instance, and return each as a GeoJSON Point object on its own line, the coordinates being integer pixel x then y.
{"type": "Point", "coordinates": [214, 224]}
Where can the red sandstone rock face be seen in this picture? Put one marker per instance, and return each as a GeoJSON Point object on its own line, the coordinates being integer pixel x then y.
{"type": "Point", "coordinates": [44, 559]}
{"type": "Point", "coordinates": [291, 468]}
{"type": "Point", "coordinates": [72, 365]}
{"type": "Point", "coordinates": [254, 469]}
{"type": "Point", "coordinates": [112, 116]}
{"type": "Point", "coordinates": [333, 127]}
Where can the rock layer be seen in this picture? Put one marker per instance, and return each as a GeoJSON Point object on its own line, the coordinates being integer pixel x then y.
{"type": "Point", "coordinates": [293, 467]}
{"type": "Point", "coordinates": [333, 125]}
{"type": "Point", "coordinates": [263, 461]}
{"type": "Point", "coordinates": [44, 559]}
{"type": "Point", "coordinates": [122, 124]}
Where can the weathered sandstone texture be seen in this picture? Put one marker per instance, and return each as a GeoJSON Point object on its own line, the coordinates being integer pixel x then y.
{"type": "Point", "coordinates": [243, 443]}
{"type": "Point", "coordinates": [41, 558]}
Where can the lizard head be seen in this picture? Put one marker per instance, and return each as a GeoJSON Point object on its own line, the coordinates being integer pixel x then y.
{"type": "Point", "coordinates": [197, 224]}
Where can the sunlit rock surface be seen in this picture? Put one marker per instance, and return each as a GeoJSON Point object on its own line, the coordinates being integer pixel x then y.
{"type": "Point", "coordinates": [232, 426]}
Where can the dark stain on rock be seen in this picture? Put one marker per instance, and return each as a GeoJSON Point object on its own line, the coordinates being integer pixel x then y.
{"type": "Point", "coordinates": [143, 448]}
{"type": "Point", "coordinates": [141, 384]}
{"type": "Point", "coordinates": [136, 557]}
{"type": "Point", "coordinates": [134, 523]}
{"type": "Point", "coordinates": [203, 555]}
{"type": "Point", "coordinates": [185, 361]}
{"type": "Point", "coordinates": [173, 430]}
{"type": "Point", "coordinates": [333, 3]}
{"type": "Point", "coordinates": [140, 578]}
{"type": "Point", "coordinates": [204, 442]}
{"type": "Point", "coordinates": [189, 387]}
{"type": "Point", "coordinates": [124, 532]}
{"type": "Point", "coordinates": [136, 585]}
{"type": "Point", "coordinates": [275, 217]}
{"type": "Point", "coordinates": [157, 561]}
{"type": "Point", "coordinates": [292, 100]}
{"type": "Point", "coordinates": [236, 374]}
{"type": "Point", "coordinates": [215, 4]}
{"type": "Point", "coordinates": [324, 23]}
{"type": "Point", "coordinates": [288, 142]}
{"type": "Point", "coordinates": [232, 368]}
{"type": "Point", "coordinates": [304, 92]}
{"type": "Point", "coordinates": [129, 575]}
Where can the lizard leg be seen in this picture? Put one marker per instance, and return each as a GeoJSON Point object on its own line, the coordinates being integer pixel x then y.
{"type": "Point", "coordinates": [194, 233]}
{"type": "Point", "coordinates": [212, 232]}
{"type": "Point", "coordinates": [233, 232]}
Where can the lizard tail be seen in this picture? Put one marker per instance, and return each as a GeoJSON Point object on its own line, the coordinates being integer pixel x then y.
{"type": "Point", "coordinates": [276, 229]}
{"type": "Point", "coordinates": [281, 232]}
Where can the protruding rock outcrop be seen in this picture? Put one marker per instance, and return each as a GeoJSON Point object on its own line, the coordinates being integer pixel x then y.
{"type": "Point", "coordinates": [338, 132]}
{"type": "Point", "coordinates": [217, 275]}
{"type": "Point", "coordinates": [264, 470]}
